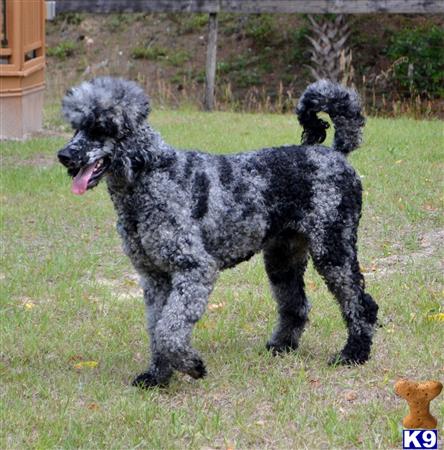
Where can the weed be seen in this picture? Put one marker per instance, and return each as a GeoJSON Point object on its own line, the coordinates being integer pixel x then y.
{"type": "Point", "coordinates": [192, 23]}
{"type": "Point", "coordinates": [242, 70]}
{"type": "Point", "coordinates": [63, 50]}
{"type": "Point", "coordinates": [261, 29]}
{"type": "Point", "coordinates": [178, 58]}
{"type": "Point", "coordinates": [117, 22]}
{"type": "Point", "coordinates": [71, 18]}
{"type": "Point", "coordinates": [150, 52]}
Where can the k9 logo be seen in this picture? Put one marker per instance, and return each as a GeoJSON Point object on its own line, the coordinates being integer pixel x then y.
{"type": "Point", "coordinates": [422, 439]}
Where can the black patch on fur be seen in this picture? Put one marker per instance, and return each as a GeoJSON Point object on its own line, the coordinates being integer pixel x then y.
{"type": "Point", "coordinates": [289, 191]}
{"type": "Point", "coordinates": [239, 192]}
{"type": "Point", "coordinates": [188, 165]}
{"type": "Point", "coordinates": [370, 308]}
{"type": "Point", "coordinates": [200, 192]}
{"type": "Point", "coordinates": [235, 261]}
{"type": "Point", "coordinates": [314, 129]}
{"type": "Point", "coordinates": [225, 171]}
{"type": "Point", "coordinates": [348, 208]}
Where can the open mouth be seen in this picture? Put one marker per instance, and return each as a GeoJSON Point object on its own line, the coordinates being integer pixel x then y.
{"type": "Point", "coordinates": [89, 176]}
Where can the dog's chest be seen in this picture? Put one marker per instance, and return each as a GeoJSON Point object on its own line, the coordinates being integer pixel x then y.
{"type": "Point", "coordinates": [149, 231]}
{"type": "Point", "coordinates": [130, 213]}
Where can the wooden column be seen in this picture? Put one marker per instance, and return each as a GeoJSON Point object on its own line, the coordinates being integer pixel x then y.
{"type": "Point", "coordinates": [22, 68]}
{"type": "Point", "coordinates": [211, 62]}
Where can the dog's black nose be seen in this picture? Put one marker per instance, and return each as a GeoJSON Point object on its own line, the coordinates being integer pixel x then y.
{"type": "Point", "coordinates": [64, 156]}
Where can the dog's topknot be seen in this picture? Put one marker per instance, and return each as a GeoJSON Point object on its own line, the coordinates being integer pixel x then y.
{"type": "Point", "coordinates": [107, 106]}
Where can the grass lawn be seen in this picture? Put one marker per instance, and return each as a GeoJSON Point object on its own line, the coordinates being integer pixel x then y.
{"type": "Point", "coordinates": [72, 316]}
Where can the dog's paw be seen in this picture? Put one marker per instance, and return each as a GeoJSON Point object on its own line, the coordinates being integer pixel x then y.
{"type": "Point", "coordinates": [281, 347]}
{"type": "Point", "coordinates": [343, 359]}
{"type": "Point", "coordinates": [197, 370]}
{"type": "Point", "coordinates": [147, 380]}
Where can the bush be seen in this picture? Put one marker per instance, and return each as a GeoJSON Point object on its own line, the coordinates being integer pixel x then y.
{"type": "Point", "coordinates": [178, 58]}
{"type": "Point", "coordinates": [192, 23]}
{"type": "Point", "coordinates": [62, 50]}
{"type": "Point", "coordinates": [152, 53]}
{"type": "Point", "coordinates": [299, 44]}
{"type": "Point", "coordinates": [261, 29]}
{"type": "Point", "coordinates": [71, 18]}
{"type": "Point", "coordinates": [242, 70]}
{"type": "Point", "coordinates": [423, 50]}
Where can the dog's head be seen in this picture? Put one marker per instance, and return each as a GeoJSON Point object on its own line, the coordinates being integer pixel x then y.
{"type": "Point", "coordinates": [103, 112]}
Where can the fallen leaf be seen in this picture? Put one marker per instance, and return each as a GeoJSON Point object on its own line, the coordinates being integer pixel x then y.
{"type": "Point", "coordinates": [429, 207]}
{"type": "Point", "coordinates": [86, 364]}
{"type": "Point", "coordinates": [351, 395]}
{"type": "Point", "coordinates": [373, 268]}
{"type": "Point", "coordinates": [215, 306]}
{"type": "Point", "coordinates": [436, 317]}
{"type": "Point", "coordinates": [399, 161]}
{"type": "Point", "coordinates": [315, 383]}
{"type": "Point", "coordinates": [312, 285]}
{"type": "Point", "coordinates": [93, 406]}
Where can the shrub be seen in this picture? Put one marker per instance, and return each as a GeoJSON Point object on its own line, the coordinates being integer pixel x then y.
{"type": "Point", "coordinates": [192, 23]}
{"type": "Point", "coordinates": [243, 70]}
{"type": "Point", "coordinates": [299, 44]}
{"type": "Point", "coordinates": [178, 58]}
{"type": "Point", "coordinates": [152, 53]}
{"type": "Point", "coordinates": [62, 50]}
{"type": "Point", "coordinates": [421, 55]}
{"type": "Point", "coordinates": [261, 28]}
{"type": "Point", "coordinates": [71, 18]}
{"type": "Point", "coordinates": [118, 22]}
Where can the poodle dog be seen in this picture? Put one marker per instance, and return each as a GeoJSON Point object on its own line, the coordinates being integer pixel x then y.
{"type": "Point", "coordinates": [186, 215]}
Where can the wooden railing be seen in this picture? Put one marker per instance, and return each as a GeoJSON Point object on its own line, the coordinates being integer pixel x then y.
{"type": "Point", "coordinates": [255, 6]}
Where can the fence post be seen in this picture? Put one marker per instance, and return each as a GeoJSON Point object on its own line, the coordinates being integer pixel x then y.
{"type": "Point", "coordinates": [211, 62]}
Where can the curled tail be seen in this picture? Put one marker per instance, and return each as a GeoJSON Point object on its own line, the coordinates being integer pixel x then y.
{"type": "Point", "coordinates": [341, 104]}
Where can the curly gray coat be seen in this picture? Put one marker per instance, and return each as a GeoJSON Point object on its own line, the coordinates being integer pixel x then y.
{"type": "Point", "coordinates": [185, 215]}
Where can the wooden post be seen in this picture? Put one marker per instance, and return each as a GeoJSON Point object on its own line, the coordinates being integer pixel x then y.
{"type": "Point", "coordinates": [211, 62]}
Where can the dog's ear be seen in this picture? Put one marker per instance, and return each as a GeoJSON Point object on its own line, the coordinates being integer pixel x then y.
{"type": "Point", "coordinates": [106, 106]}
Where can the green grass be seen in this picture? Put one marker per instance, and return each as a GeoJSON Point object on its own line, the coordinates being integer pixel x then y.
{"type": "Point", "coordinates": [69, 295]}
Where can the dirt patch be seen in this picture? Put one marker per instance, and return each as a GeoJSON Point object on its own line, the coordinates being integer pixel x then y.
{"type": "Point", "coordinates": [430, 244]}
{"type": "Point", "coordinates": [40, 160]}
{"type": "Point", "coordinates": [125, 289]}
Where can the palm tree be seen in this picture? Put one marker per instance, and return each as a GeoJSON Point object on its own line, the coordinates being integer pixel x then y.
{"type": "Point", "coordinates": [330, 55]}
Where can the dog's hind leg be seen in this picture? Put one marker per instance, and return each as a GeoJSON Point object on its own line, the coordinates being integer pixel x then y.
{"type": "Point", "coordinates": [185, 306]}
{"type": "Point", "coordinates": [156, 290]}
{"type": "Point", "coordinates": [335, 258]}
{"type": "Point", "coordinates": [285, 263]}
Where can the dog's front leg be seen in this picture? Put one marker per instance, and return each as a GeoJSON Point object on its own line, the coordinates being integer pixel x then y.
{"type": "Point", "coordinates": [156, 290]}
{"type": "Point", "coordinates": [186, 305]}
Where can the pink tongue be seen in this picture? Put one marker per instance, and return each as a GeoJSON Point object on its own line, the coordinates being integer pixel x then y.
{"type": "Point", "coordinates": [80, 182]}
